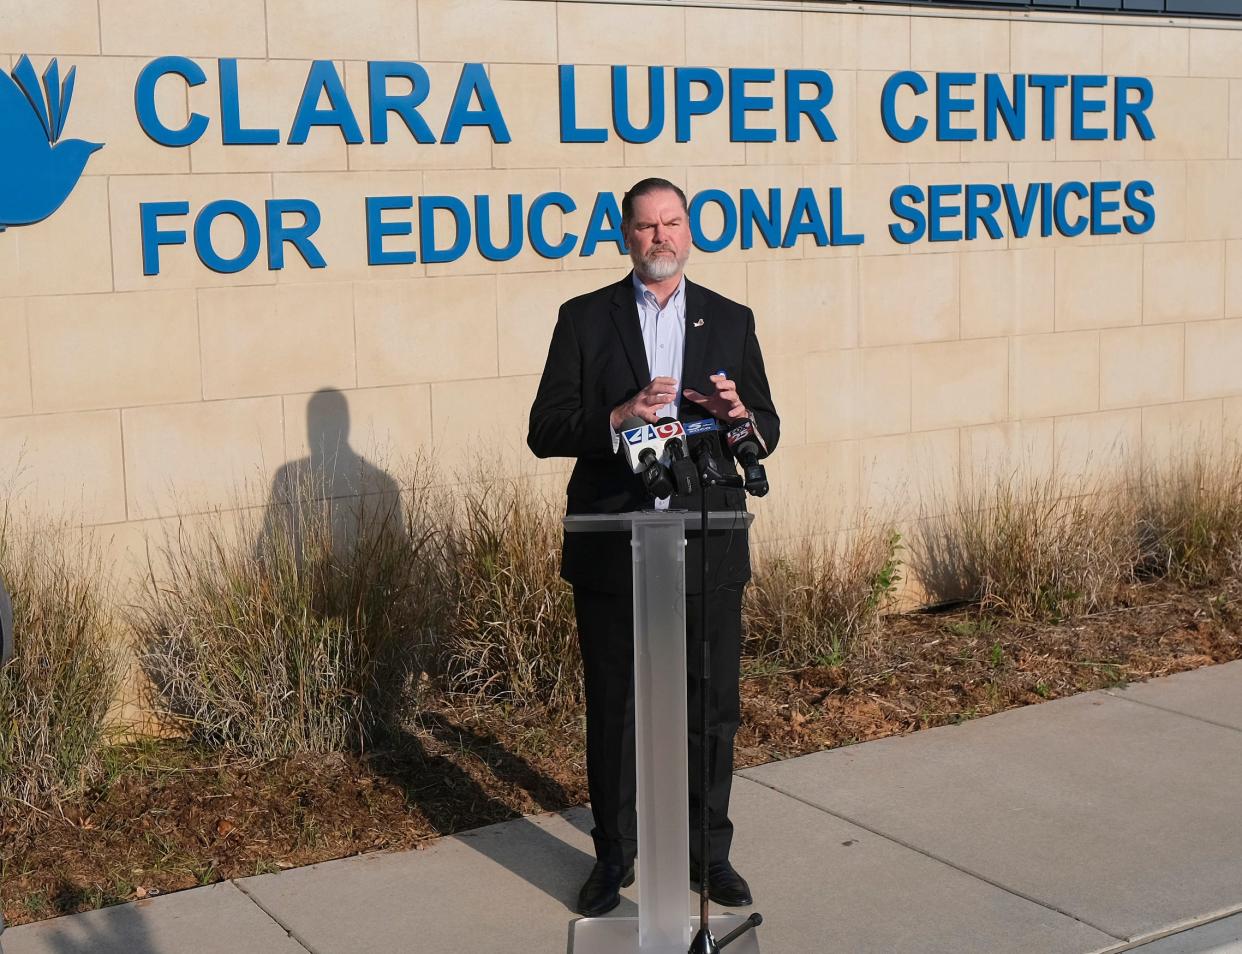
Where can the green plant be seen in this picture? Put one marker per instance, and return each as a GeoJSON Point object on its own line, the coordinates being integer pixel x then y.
{"type": "Point", "coordinates": [979, 625]}
{"type": "Point", "coordinates": [56, 693]}
{"type": "Point", "coordinates": [996, 655]}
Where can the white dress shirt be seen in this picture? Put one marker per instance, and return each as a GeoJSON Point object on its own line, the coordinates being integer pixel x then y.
{"type": "Point", "coordinates": [664, 340]}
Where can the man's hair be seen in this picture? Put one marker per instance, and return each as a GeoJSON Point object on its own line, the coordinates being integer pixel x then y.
{"type": "Point", "coordinates": [646, 187]}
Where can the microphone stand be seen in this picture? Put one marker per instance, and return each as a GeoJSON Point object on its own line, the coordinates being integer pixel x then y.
{"type": "Point", "coordinates": [704, 942]}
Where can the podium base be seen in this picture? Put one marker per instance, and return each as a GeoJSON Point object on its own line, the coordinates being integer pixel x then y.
{"type": "Point", "coordinates": [620, 935]}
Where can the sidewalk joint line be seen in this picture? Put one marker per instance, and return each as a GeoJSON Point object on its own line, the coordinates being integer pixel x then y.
{"type": "Point", "coordinates": [297, 938]}
{"type": "Point", "coordinates": [1163, 935]}
{"type": "Point", "coordinates": [927, 854]}
{"type": "Point", "coordinates": [1184, 715]}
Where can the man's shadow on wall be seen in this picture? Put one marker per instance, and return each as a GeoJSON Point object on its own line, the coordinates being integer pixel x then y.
{"type": "Point", "coordinates": [364, 498]}
{"type": "Point", "coordinates": [367, 503]}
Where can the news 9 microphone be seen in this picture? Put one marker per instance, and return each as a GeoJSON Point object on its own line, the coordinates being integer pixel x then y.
{"type": "Point", "coordinates": [685, 474]}
{"type": "Point", "coordinates": [743, 443]}
{"type": "Point", "coordinates": [644, 447]}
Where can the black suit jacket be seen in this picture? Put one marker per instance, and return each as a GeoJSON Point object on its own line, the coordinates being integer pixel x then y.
{"type": "Point", "coordinates": [597, 361]}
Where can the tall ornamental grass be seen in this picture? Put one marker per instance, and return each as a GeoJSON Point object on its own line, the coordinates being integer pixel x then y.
{"type": "Point", "coordinates": [56, 693]}
{"type": "Point", "coordinates": [816, 600]}
{"type": "Point", "coordinates": [299, 630]}
{"type": "Point", "coordinates": [1036, 549]}
{"type": "Point", "coordinates": [1189, 514]}
{"type": "Point", "coordinates": [293, 632]}
{"type": "Point", "coordinates": [509, 632]}
{"type": "Point", "coordinates": [1031, 548]}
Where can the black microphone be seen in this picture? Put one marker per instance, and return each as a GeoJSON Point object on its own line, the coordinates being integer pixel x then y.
{"type": "Point", "coordinates": [685, 474]}
{"type": "Point", "coordinates": [654, 475]}
{"type": "Point", "coordinates": [712, 472]}
{"type": "Point", "coordinates": [743, 441]}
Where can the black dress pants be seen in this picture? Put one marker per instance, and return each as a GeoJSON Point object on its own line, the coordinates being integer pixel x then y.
{"type": "Point", "coordinates": [606, 637]}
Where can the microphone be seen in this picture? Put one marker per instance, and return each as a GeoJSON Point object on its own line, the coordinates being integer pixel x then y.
{"type": "Point", "coordinates": [644, 445]}
{"type": "Point", "coordinates": [709, 467]}
{"type": "Point", "coordinates": [743, 443]}
{"type": "Point", "coordinates": [685, 474]}
{"type": "Point", "coordinates": [638, 438]}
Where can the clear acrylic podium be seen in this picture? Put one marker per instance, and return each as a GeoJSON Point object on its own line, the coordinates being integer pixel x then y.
{"type": "Point", "coordinates": [664, 924]}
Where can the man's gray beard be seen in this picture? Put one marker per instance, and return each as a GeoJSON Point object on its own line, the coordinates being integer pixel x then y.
{"type": "Point", "coordinates": [658, 267]}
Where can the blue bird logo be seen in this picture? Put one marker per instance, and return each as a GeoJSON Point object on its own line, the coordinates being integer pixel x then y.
{"type": "Point", "coordinates": [38, 169]}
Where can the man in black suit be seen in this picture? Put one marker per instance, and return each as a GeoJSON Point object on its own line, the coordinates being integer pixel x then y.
{"type": "Point", "coordinates": [654, 344]}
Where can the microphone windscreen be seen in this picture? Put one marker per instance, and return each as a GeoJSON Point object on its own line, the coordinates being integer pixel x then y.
{"type": "Point", "coordinates": [742, 439]}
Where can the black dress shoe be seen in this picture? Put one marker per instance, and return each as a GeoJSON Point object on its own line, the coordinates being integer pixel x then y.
{"type": "Point", "coordinates": [724, 885]}
{"type": "Point", "coordinates": [602, 890]}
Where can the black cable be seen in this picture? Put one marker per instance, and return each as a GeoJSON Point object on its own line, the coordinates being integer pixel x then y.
{"type": "Point", "coordinates": [704, 754]}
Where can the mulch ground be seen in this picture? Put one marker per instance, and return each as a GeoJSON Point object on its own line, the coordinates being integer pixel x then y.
{"type": "Point", "coordinates": [172, 817]}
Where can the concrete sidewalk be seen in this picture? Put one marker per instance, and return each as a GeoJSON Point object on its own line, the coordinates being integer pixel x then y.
{"type": "Point", "coordinates": [1111, 821]}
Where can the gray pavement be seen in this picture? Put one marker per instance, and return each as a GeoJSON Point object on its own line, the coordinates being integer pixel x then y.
{"type": "Point", "coordinates": [1108, 822]}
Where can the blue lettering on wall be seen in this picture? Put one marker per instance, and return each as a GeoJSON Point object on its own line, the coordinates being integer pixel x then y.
{"type": "Point", "coordinates": [405, 229]}
{"type": "Point", "coordinates": [687, 106]}
{"type": "Point", "coordinates": [813, 107]}
{"type": "Point", "coordinates": [378, 228]}
{"type": "Point", "coordinates": [299, 236]}
{"type": "Point", "coordinates": [323, 80]}
{"type": "Point", "coordinates": [570, 132]}
{"type": "Point", "coordinates": [428, 206]}
{"type": "Point", "coordinates": [231, 131]}
{"type": "Point", "coordinates": [604, 225]}
{"type": "Point", "coordinates": [622, 120]}
{"type": "Point", "coordinates": [537, 240]}
{"type": "Point", "coordinates": [404, 105]}
{"type": "Point", "coordinates": [144, 101]}
{"type": "Point", "coordinates": [742, 102]}
{"type": "Point", "coordinates": [906, 79]}
{"type": "Point", "coordinates": [149, 215]}
{"type": "Point", "coordinates": [251, 235]}
{"type": "Point", "coordinates": [474, 85]}
{"type": "Point", "coordinates": [805, 218]}
{"type": "Point", "coordinates": [483, 229]}
{"type": "Point", "coordinates": [768, 219]}
{"type": "Point", "coordinates": [728, 209]}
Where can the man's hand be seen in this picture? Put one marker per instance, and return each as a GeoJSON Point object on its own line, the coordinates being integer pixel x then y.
{"type": "Point", "coordinates": [724, 405]}
{"type": "Point", "coordinates": [646, 403]}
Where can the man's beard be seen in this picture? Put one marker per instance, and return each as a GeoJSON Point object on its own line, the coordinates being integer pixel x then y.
{"type": "Point", "coordinates": [656, 268]}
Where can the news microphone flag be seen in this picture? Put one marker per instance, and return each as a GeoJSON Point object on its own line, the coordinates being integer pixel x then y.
{"type": "Point", "coordinates": [651, 437]}
{"type": "Point", "coordinates": [704, 426]}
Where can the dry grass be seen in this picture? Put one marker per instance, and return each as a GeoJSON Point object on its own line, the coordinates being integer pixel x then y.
{"type": "Point", "coordinates": [297, 632]}
{"type": "Point", "coordinates": [1189, 515]}
{"type": "Point", "coordinates": [1031, 548]}
{"type": "Point", "coordinates": [291, 633]}
{"type": "Point", "coordinates": [56, 692]}
{"type": "Point", "coordinates": [814, 601]}
{"type": "Point", "coordinates": [1036, 549]}
{"type": "Point", "coordinates": [509, 632]}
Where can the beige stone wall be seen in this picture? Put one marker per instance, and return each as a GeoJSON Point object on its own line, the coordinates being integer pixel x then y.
{"type": "Point", "coordinates": [128, 400]}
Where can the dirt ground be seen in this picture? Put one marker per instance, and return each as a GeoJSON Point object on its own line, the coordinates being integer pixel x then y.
{"type": "Point", "coordinates": [169, 817]}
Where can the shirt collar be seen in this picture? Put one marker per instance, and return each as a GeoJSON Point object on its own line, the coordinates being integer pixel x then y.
{"type": "Point", "coordinates": [641, 291]}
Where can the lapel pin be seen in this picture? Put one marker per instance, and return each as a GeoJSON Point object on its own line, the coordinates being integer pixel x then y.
{"type": "Point", "coordinates": [698, 323]}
